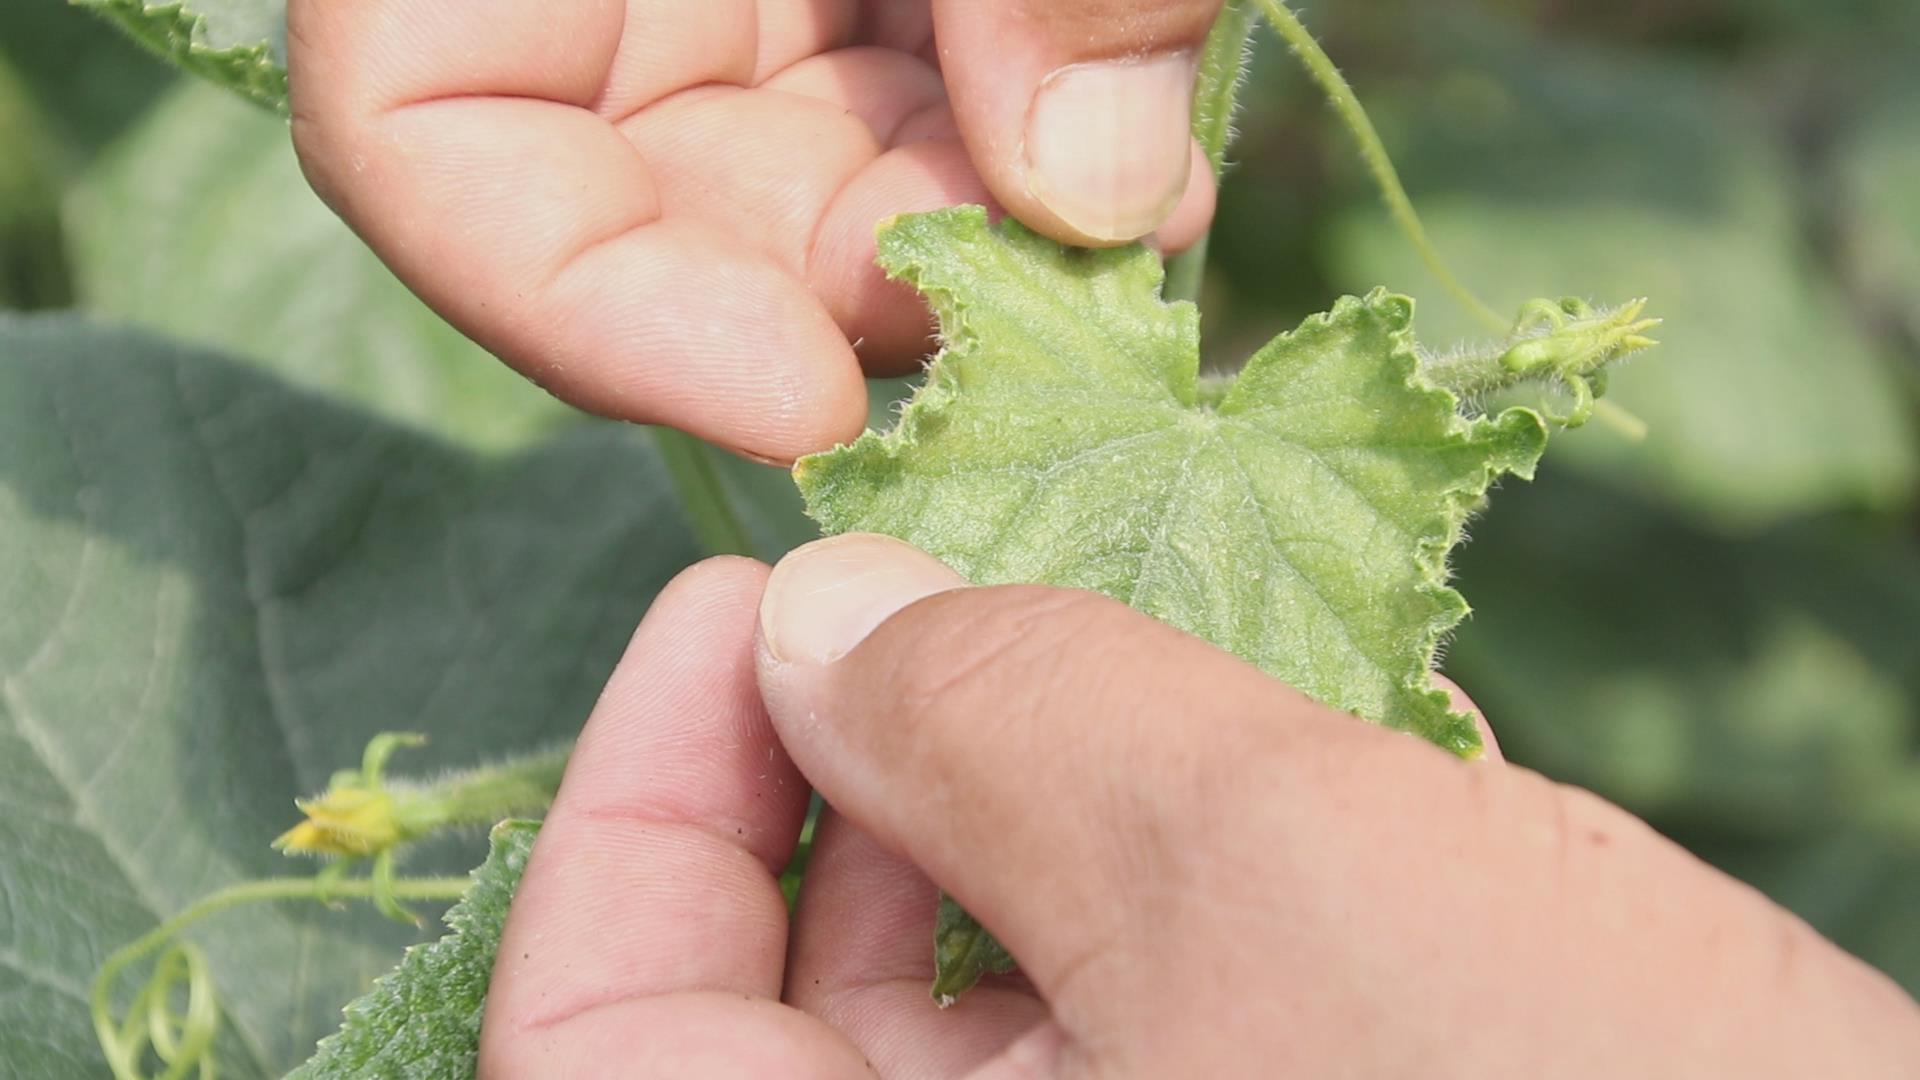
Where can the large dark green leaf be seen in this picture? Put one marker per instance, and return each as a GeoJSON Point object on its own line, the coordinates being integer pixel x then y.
{"type": "Point", "coordinates": [217, 589]}
{"type": "Point", "coordinates": [197, 222]}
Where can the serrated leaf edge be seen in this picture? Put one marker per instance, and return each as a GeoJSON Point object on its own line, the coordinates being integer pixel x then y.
{"type": "Point", "coordinates": [178, 34]}
{"type": "Point", "coordinates": [459, 922]}
{"type": "Point", "coordinates": [1514, 439]}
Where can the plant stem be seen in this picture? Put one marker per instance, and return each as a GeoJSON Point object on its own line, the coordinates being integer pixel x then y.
{"type": "Point", "coordinates": [1619, 421]}
{"type": "Point", "coordinates": [703, 496]}
{"type": "Point", "coordinates": [1223, 68]}
{"type": "Point", "coordinates": [490, 793]}
{"type": "Point", "coordinates": [1372, 151]}
{"type": "Point", "coordinates": [1186, 272]}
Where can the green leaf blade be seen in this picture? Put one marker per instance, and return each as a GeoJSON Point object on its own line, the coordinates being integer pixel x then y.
{"type": "Point", "coordinates": [1302, 524]}
{"type": "Point", "coordinates": [1301, 520]}
{"type": "Point", "coordinates": [963, 953]}
{"type": "Point", "coordinates": [422, 1020]}
{"type": "Point", "coordinates": [221, 589]}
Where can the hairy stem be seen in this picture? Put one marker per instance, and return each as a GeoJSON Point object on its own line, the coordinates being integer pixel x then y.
{"type": "Point", "coordinates": [488, 794]}
{"type": "Point", "coordinates": [1223, 68]}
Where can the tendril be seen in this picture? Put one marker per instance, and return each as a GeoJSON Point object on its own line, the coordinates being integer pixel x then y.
{"type": "Point", "coordinates": [1542, 320]}
{"type": "Point", "coordinates": [1373, 151]}
{"type": "Point", "coordinates": [183, 1041]}
{"type": "Point", "coordinates": [362, 819]}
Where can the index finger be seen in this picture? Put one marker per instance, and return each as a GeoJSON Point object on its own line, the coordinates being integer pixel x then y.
{"type": "Point", "coordinates": [471, 145]}
{"type": "Point", "coordinates": [650, 914]}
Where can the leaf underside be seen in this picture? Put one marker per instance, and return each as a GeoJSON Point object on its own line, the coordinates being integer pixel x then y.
{"type": "Point", "coordinates": [238, 44]}
{"type": "Point", "coordinates": [422, 1020]}
{"type": "Point", "coordinates": [1301, 518]}
{"type": "Point", "coordinates": [1302, 522]}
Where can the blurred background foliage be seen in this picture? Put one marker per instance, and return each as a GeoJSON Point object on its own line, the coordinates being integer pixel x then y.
{"type": "Point", "coordinates": [1718, 627]}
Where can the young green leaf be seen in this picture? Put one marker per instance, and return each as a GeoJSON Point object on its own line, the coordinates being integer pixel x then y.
{"type": "Point", "coordinates": [238, 44]}
{"type": "Point", "coordinates": [1300, 516]}
{"type": "Point", "coordinates": [1216, 96]}
{"type": "Point", "coordinates": [1302, 521]}
{"type": "Point", "coordinates": [423, 1019]}
{"type": "Point", "coordinates": [963, 953]}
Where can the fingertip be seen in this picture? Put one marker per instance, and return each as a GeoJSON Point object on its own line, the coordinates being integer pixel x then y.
{"type": "Point", "coordinates": [1078, 116]}
{"type": "Point", "coordinates": [1105, 145]}
{"type": "Point", "coordinates": [887, 318]}
{"type": "Point", "coordinates": [823, 599]}
{"type": "Point", "coordinates": [723, 579]}
{"type": "Point", "coordinates": [674, 324]}
{"type": "Point", "coordinates": [1192, 218]}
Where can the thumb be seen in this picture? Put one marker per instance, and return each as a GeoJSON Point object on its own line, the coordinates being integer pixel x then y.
{"type": "Point", "coordinates": [1037, 752]}
{"type": "Point", "coordinates": [1200, 869]}
{"type": "Point", "coordinates": [1078, 112]}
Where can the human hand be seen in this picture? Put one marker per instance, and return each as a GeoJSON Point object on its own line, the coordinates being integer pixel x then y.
{"type": "Point", "coordinates": [1202, 872]}
{"type": "Point", "coordinates": [664, 211]}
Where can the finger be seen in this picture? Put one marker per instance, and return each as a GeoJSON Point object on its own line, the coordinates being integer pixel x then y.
{"type": "Point", "coordinates": [804, 179]}
{"type": "Point", "coordinates": [1194, 216]}
{"type": "Point", "coordinates": [887, 318]}
{"type": "Point", "coordinates": [862, 959]}
{"type": "Point", "coordinates": [999, 738]}
{"type": "Point", "coordinates": [1078, 112]}
{"type": "Point", "coordinates": [462, 141]}
{"type": "Point", "coordinates": [655, 873]}
{"type": "Point", "coordinates": [882, 88]}
{"type": "Point", "coordinates": [704, 1034]}
{"type": "Point", "coordinates": [1171, 842]}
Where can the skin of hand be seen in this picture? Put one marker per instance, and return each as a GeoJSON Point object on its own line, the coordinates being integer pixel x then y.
{"type": "Point", "coordinates": [1202, 872]}
{"type": "Point", "coordinates": [664, 210]}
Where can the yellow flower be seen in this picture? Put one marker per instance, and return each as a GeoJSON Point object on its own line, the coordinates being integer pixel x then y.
{"type": "Point", "coordinates": [346, 821]}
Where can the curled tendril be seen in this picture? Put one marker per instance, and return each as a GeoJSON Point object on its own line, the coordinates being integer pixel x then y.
{"type": "Point", "coordinates": [183, 1042]}
{"type": "Point", "coordinates": [180, 1041]}
{"type": "Point", "coordinates": [361, 819]}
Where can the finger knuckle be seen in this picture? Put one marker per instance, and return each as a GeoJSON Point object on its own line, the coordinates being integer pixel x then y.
{"type": "Point", "coordinates": [1126, 27]}
{"type": "Point", "coordinates": [989, 651]}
